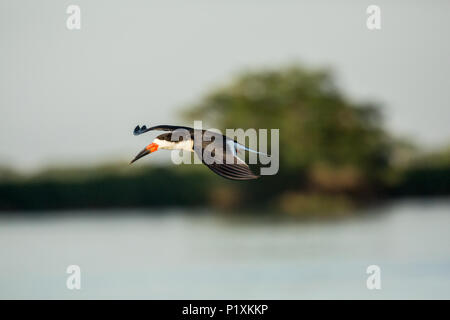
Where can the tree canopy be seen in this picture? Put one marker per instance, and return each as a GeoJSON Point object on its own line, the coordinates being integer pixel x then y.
{"type": "Point", "coordinates": [319, 126]}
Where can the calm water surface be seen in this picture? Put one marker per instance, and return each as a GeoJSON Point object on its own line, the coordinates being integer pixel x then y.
{"type": "Point", "coordinates": [177, 256]}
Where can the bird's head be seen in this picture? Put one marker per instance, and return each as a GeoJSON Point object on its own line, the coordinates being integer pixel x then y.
{"type": "Point", "coordinates": [163, 141]}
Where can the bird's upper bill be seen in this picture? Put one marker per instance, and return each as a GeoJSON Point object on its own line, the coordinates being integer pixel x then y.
{"type": "Point", "coordinates": [152, 147]}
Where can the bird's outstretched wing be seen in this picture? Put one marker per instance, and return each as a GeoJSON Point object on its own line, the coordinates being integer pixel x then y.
{"type": "Point", "coordinates": [233, 171]}
{"type": "Point", "coordinates": [140, 130]}
{"type": "Point", "coordinates": [223, 160]}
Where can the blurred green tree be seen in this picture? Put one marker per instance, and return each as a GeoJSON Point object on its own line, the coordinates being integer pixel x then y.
{"type": "Point", "coordinates": [339, 145]}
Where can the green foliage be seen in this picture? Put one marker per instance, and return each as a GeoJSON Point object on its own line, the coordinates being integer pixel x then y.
{"type": "Point", "coordinates": [426, 174]}
{"type": "Point", "coordinates": [436, 159]}
{"type": "Point", "coordinates": [318, 125]}
{"type": "Point", "coordinates": [104, 188]}
{"type": "Point", "coordinates": [334, 154]}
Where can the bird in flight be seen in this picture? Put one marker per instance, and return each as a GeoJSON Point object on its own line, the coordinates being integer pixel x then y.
{"type": "Point", "coordinates": [221, 157]}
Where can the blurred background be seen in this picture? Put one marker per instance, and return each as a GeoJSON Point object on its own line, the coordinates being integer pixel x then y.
{"type": "Point", "coordinates": [364, 173]}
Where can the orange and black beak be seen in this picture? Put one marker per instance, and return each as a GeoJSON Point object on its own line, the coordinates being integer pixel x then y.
{"type": "Point", "coordinates": [152, 147]}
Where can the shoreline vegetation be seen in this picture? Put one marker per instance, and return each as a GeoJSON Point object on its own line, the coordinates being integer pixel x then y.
{"type": "Point", "coordinates": [107, 186]}
{"type": "Point", "coordinates": [335, 156]}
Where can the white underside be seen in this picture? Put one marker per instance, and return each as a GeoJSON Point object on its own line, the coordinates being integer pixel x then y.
{"type": "Point", "coordinates": [172, 145]}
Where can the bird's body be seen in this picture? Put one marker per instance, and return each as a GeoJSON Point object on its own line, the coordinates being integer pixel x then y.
{"type": "Point", "coordinates": [218, 152]}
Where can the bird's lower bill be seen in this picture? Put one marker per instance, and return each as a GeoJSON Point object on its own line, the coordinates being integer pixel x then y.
{"type": "Point", "coordinates": [152, 147]}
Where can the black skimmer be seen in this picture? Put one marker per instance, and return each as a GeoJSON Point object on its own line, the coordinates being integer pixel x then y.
{"type": "Point", "coordinates": [222, 158]}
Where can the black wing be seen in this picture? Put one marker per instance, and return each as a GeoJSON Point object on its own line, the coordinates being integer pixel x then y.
{"type": "Point", "coordinates": [222, 160]}
{"type": "Point", "coordinates": [232, 171]}
{"type": "Point", "coordinates": [140, 130]}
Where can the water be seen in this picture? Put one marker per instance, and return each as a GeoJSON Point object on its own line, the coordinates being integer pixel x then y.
{"type": "Point", "coordinates": [176, 256]}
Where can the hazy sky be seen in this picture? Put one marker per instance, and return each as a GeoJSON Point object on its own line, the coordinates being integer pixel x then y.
{"type": "Point", "coordinates": [75, 96]}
